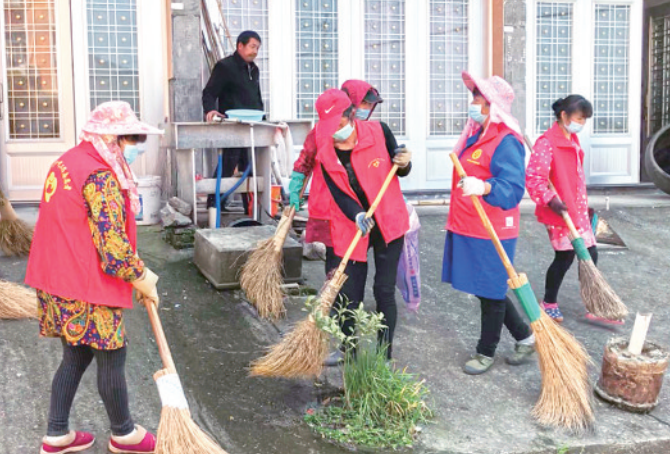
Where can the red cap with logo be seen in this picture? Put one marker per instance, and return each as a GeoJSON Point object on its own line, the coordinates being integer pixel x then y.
{"type": "Point", "coordinates": [330, 106]}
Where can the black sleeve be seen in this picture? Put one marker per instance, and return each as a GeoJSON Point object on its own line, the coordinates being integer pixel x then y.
{"type": "Point", "coordinates": [391, 145]}
{"type": "Point", "coordinates": [217, 81]}
{"type": "Point", "coordinates": [349, 206]}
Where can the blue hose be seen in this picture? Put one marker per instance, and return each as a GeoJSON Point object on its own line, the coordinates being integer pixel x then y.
{"type": "Point", "coordinates": [219, 197]}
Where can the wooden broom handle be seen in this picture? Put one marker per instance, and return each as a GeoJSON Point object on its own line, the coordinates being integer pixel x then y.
{"type": "Point", "coordinates": [161, 341]}
{"type": "Point", "coordinates": [565, 215]}
{"type": "Point", "coordinates": [511, 272]}
{"type": "Point", "coordinates": [370, 212]}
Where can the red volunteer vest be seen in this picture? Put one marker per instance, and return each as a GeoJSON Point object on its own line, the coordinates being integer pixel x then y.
{"type": "Point", "coordinates": [563, 174]}
{"type": "Point", "coordinates": [476, 160]}
{"type": "Point", "coordinates": [63, 259]}
{"type": "Point", "coordinates": [371, 163]}
{"type": "Point", "coordinates": [318, 205]}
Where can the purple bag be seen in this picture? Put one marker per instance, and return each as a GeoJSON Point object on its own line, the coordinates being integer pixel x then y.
{"type": "Point", "coordinates": [408, 279]}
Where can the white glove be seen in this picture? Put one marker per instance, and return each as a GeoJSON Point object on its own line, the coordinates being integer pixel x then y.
{"type": "Point", "coordinates": [472, 186]}
{"type": "Point", "coordinates": [402, 157]}
{"type": "Point", "coordinates": [145, 287]}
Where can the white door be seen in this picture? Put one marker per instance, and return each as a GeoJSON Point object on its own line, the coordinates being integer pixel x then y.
{"type": "Point", "coordinates": [588, 47]}
{"type": "Point", "coordinates": [37, 112]}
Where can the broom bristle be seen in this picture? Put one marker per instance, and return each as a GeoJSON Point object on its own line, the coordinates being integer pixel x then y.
{"type": "Point", "coordinates": [15, 237]}
{"type": "Point", "coordinates": [598, 296]}
{"type": "Point", "coordinates": [565, 400]}
{"type": "Point", "coordinates": [261, 280]}
{"type": "Point", "coordinates": [16, 301]}
{"type": "Point", "coordinates": [300, 354]}
{"type": "Point", "coordinates": [179, 434]}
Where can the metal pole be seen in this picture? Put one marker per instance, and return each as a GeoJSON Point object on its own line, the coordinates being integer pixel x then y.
{"type": "Point", "coordinates": [253, 170]}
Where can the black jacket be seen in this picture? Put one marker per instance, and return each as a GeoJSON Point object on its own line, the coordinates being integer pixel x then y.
{"type": "Point", "coordinates": [234, 84]}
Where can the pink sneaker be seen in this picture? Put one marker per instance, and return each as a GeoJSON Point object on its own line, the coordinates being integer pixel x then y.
{"type": "Point", "coordinates": [138, 442]}
{"type": "Point", "coordinates": [606, 321]}
{"type": "Point", "coordinates": [72, 442]}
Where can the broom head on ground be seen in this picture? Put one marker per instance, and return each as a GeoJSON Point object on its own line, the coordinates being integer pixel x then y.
{"type": "Point", "coordinates": [16, 301]}
{"type": "Point", "coordinates": [262, 276]}
{"type": "Point", "coordinates": [15, 234]}
{"type": "Point", "coordinates": [177, 432]}
{"type": "Point", "coordinates": [598, 296]}
{"type": "Point", "coordinates": [565, 399]}
{"type": "Point", "coordinates": [301, 353]}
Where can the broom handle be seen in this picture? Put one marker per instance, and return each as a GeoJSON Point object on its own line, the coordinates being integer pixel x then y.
{"type": "Point", "coordinates": [370, 212]}
{"type": "Point", "coordinates": [566, 216]}
{"type": "Point", "coordinates": [511, 272]}
{"type": "Point", "coordinates": [161, 341]}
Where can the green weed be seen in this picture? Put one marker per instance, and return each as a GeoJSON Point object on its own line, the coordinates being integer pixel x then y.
{"type": "Point", "coordinates": [382, 405]}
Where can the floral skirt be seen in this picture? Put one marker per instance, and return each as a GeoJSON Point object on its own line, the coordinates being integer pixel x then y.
{"type": "Point", "coordinates": [81, 323]}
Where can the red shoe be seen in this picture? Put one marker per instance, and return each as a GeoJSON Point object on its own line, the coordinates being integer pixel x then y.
{"type": "Point", "coordinates": [72, 442]}
{"type": "Point", "coordinates": [138, 442]}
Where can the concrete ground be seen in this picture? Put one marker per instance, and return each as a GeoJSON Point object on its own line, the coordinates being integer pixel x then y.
{"type": "Point", "coordinates": [214, 335]}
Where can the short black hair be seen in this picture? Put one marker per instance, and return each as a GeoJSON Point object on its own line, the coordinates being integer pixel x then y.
{"type": "Point", "coordinates": [245, 36]}
{"type": "Point", "coordinates": [135, 138]}
{"type": "Point", "coordinates": [572, 104]}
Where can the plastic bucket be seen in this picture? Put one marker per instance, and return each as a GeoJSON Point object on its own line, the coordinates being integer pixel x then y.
{"type": "Point", "coordinates": [149, 189]}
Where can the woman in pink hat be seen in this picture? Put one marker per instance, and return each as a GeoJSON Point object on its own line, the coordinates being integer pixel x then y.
{"type": "Point", "coordinates": [491, 152]}
{"type": "Point", "coordinates": [84, 264]}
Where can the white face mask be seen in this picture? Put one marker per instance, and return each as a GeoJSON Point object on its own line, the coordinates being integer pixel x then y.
{"type": "Point", "coordinates": [574, 127]}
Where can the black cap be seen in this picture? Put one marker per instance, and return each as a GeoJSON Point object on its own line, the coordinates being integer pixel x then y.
{"type": "Point", "coordinates": [373, 96]}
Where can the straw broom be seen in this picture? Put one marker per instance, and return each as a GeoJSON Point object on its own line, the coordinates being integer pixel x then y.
{"type": "Point", "coordinates": [15, 234]}
{"type": "Point", "coordinates": [565, 400]}
{"type": "Point", "coordinates": [16, 301]}
{"type": "Point", "coordinates": [262, 276]}
{"type": "Point", "coordinates": [301, 353]}
{"type": "Point", "coordinates": [599, 298]}
{"type": "Point", "coordinates": [177, 432]}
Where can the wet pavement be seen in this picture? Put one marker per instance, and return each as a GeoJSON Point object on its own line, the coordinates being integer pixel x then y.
{"type": "Point", "coordinates": [214, 335]}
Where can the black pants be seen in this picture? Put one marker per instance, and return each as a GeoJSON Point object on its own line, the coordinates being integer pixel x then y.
{"type": "Point", "coordinates": [353, 291]}
{"type": "Point", "coordinates": [232, 158]}
{"type": "Point", "coordinates": [495, 314]}
{"type": "Point", "coordinates": [556, 272]}
{"type": "Point", "coordinates": [111, 386]}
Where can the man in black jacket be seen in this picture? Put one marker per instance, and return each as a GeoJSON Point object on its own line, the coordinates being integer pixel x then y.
{"type": "Point", "coordinates": [234, 84]}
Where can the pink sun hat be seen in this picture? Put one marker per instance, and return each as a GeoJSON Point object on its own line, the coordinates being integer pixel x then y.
{"type": "Point", "coordinates": [499, 94]}
{"type": "Point", "coordinates": [117, 118]}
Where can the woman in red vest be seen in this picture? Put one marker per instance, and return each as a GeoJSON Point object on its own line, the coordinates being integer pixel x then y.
{"type": "Point", "coordinates": [558, 158]}
{"type": "Point", "coordinates": [84, 264]}
{"type": "Point", "coordinates": [365, 97]}
{"type": "Point", "coordinates": [354, 160]}
{"type": "Point", "coordinates": [492, 155]}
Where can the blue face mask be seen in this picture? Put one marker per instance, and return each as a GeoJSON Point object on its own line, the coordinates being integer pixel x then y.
{"type": "Point", "coordinates": [363, 114]}
{"type": "Point", "coordinates": [130, 152]}
{"type": "Point", "coordinates": [344, 133]}
{"type": "Point", "coordinates": [475, 112]}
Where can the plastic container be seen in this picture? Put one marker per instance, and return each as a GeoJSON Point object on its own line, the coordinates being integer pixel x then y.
{"type": "Point", "coordinates": [149, 189]}
{"type": "Point", "coordinates": [245, 114]}
{"type": "Point", "coordinates": [276, 199]}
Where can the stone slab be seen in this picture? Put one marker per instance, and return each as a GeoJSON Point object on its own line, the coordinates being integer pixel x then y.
{"type": "Point", "coordinates": [221, 253]}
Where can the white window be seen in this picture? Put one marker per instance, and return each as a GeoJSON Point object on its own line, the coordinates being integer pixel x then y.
{"type": "Point", "coordinates": [31, 70]}
{"type": "Point", "coordinates": [317, 52]}
{"type": "Point", "coordinates": [385, 58]}
{"type": "Point", "coordinates": [553, 59]}
{"type": "Point", "coordinates": [611, 69]}
{"type": "Point", "coordinates": [112, 52]}
{"type": "Point", "coordinates": [244, 15]}
{"type": "Point", "coordinates": [448, 59]}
